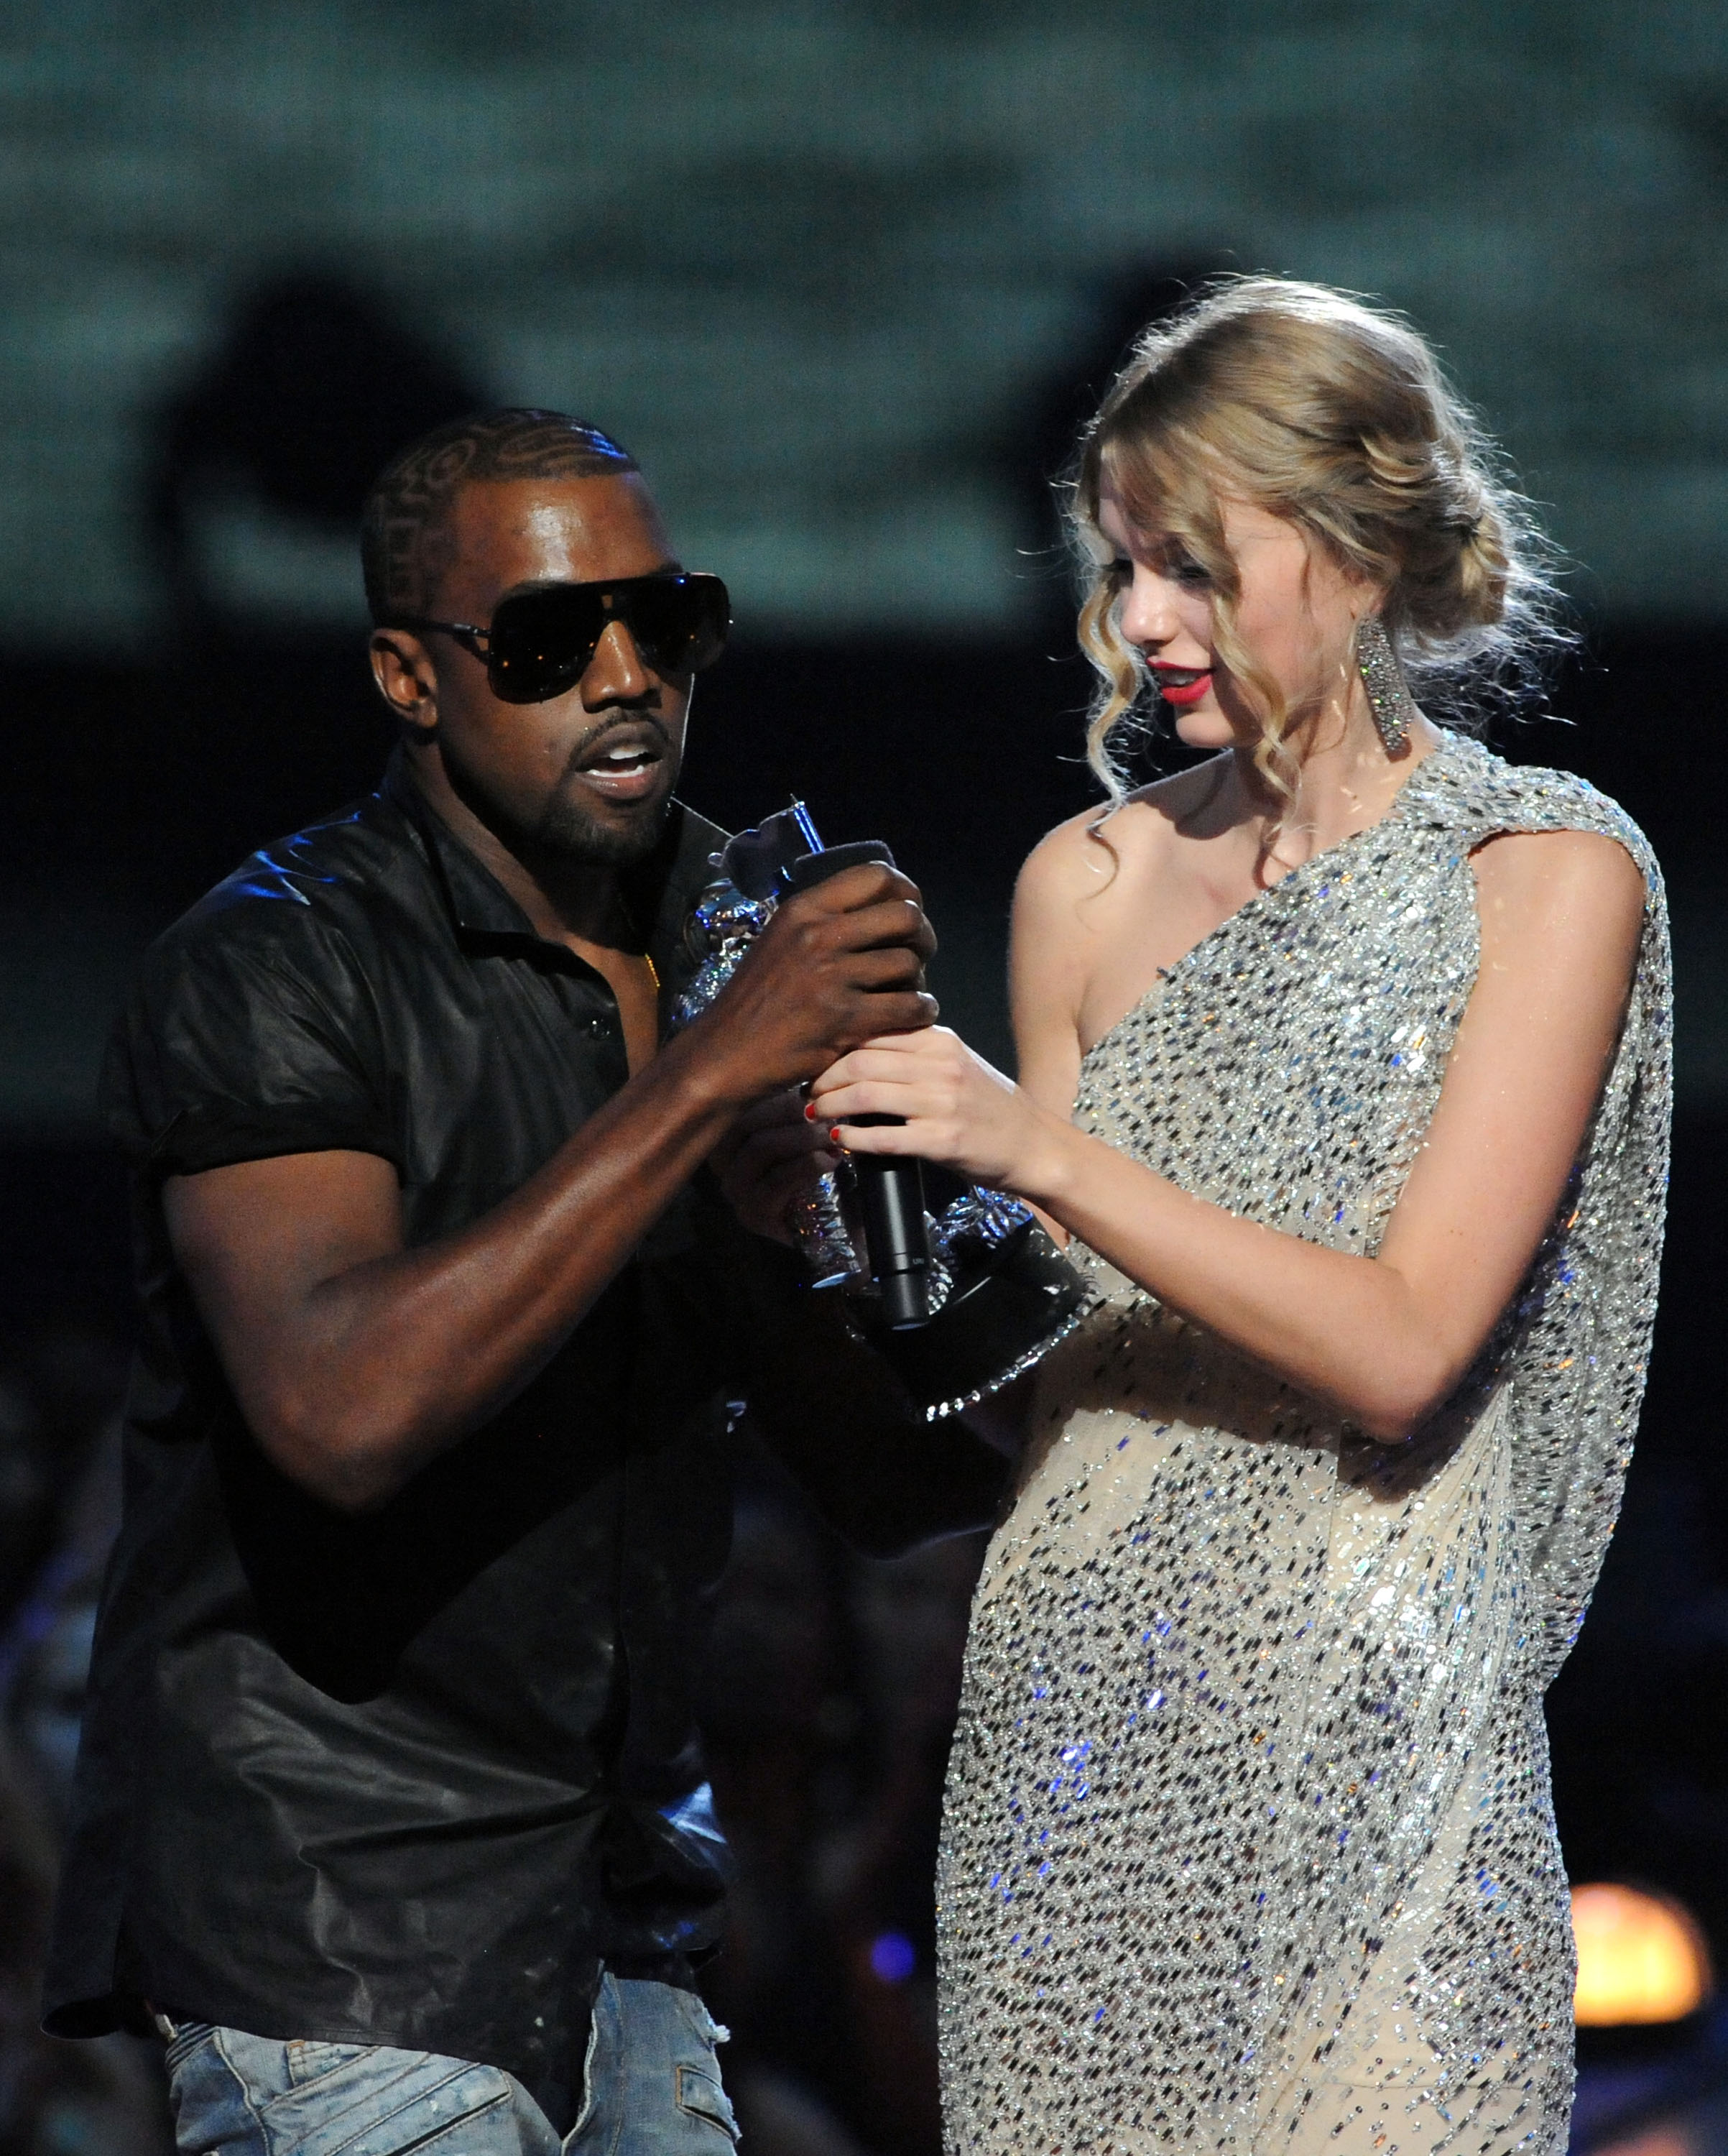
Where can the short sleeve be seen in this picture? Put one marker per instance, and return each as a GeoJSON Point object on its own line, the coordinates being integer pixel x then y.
{"type": "Point", "coordinates": [233, 1047]}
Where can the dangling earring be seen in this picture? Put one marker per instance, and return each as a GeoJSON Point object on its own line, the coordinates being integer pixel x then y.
{"type": "Point", "coordinates": [1389, 696]}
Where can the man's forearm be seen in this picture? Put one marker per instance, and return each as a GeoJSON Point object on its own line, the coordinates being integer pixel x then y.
{"type": "Point", "coordinates": [356, 1361]}
{"type": "Point", "coordinates": [385, 1362]}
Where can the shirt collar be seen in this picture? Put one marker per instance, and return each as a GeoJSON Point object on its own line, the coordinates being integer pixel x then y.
{"type": "Point", "coordinates": [659, 890]}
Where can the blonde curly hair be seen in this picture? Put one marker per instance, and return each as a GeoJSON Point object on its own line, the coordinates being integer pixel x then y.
{"type": "Point", "coordinates": [1333, 414]}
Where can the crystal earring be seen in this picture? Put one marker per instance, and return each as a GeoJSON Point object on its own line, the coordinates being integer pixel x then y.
{"type": "Point", "coordinates": [1389, 696]}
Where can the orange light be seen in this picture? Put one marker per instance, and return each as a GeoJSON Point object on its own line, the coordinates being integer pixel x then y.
{"type": "Point", "coordinates": [1641, 1957]}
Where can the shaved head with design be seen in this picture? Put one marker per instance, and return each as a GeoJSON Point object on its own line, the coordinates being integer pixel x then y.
{"type": "Point", "coordinates": [406, 541]}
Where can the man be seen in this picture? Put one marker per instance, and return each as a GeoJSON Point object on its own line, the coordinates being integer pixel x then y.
{"type": "Point", "coordinates": [390, 1813]}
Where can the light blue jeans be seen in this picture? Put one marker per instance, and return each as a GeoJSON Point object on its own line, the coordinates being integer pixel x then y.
{"type": "Point", "coordinates": [652, 2089]}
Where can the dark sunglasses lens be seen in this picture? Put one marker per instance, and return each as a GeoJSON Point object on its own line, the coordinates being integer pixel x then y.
{"type": "Point", "coordinates": [679, 623]}
{"type": "Point", "coordinates": [543, 641]}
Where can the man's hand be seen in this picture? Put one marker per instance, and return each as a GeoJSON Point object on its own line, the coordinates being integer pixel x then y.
{"type": "Point", "coordinates": [849, 953]}
{"type": "Point", "coordinates": [836, 966]}
{"type": "Point", "coordinates": [770, 1158]}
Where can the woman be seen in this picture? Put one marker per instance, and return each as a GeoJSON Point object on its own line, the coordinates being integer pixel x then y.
{"type": "Point", "coordinates": [1344, 1061]}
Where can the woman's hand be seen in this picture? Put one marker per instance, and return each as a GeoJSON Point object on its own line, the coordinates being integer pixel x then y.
{"type": "Point", "coordinates": [953, 1108]}
{"type": "Point", "coordinates": [770, 1158]}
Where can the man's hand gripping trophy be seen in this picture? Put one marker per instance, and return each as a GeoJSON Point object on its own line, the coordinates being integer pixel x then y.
{"type": "Point", "coordinates": [962, 1300]}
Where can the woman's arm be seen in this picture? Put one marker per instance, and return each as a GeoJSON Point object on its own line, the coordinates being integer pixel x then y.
{"type": "Point", "coordinates": [1049, 963]}
{"type": "Point", "coordinates": [1384, 1339]}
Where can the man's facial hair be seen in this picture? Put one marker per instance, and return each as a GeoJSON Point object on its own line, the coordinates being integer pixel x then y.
{"type": "Point", "coordinates": [566, 832]}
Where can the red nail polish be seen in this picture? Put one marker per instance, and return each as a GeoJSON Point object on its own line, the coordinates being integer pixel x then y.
{"type": "Point", "coordinates": [809, 1111]}
{"type": "Point", "coordinates": [834, 1135]}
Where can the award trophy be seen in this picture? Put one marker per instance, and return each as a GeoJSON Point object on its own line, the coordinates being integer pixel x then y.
{"type": "Point", "coordinates": [959, 1301]}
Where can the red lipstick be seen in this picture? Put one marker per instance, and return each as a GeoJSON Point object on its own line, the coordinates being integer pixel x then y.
{"type": "Point", "coordinates": [1189, 690]}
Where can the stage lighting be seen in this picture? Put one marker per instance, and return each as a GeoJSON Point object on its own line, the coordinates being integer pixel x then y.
{"type": "Point", "coordinates": [1641, 1959]}
{"type": "Point", "coordinates": [893, 1957]}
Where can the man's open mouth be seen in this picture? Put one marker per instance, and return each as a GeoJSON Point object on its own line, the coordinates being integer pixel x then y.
{"type": "Point", "coordinates": [624, 768]}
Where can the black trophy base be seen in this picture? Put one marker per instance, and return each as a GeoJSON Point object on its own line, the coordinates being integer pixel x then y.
{"type": "Point", "coordinates": [999, 1320]}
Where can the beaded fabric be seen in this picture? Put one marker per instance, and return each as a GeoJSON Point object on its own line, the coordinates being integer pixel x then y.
{"type": "Point", "coordinates": [1249, 1842]}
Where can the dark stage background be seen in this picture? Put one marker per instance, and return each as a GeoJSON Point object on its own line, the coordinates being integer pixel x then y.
{"type": "Point", "coordinates": [845, 277]}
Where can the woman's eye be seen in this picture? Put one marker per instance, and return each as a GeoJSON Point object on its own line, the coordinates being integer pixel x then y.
{"type": "Point", "coordinates": [1188, 571]}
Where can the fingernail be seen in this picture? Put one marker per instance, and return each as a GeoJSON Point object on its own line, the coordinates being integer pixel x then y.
{"type": "Point", "coordinates": [809, 1111]}
{"type": "Point", "coordinates": [833, 1136]}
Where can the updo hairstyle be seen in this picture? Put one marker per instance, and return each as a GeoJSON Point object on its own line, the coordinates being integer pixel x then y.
{"type": "Point", "coordinates": [1334, 415]}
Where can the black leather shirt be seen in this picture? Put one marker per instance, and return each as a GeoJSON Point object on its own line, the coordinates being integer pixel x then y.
{"type": "Point", "coordinates": [406, 1778]}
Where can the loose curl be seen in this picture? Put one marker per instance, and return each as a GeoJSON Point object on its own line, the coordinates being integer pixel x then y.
{"type": "Point", "coordinates": [1337, 416]}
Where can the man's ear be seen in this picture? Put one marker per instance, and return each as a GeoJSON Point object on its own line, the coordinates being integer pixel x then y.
{"type": "Point", "coordinates": [406, 679]}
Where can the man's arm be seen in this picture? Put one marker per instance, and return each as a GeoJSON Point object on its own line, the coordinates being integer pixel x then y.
{"type": "Point", "coordinates": [355, 1360]}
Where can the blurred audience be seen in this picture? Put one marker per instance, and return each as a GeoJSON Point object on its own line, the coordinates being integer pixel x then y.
{"type": "Point", "coordinates": [831, 1691]}
{"type": "Point", "coordinates": [60, 1508]}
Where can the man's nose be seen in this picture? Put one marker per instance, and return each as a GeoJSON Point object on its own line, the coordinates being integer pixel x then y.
{"type": "Point", "coordinates": [616, 673]}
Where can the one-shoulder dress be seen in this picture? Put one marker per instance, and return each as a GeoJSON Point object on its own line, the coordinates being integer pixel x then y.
{"type": "Point", "coordinates": [1249, 1842]}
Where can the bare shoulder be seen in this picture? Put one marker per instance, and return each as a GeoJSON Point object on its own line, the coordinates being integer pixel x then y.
{"type": "Point", "coordinates": [1086, 856]}
{"type": "Point", "coordinates": [1072, 862]}
{"type": "Point", "coordinates": [1566, 884]}
{"type": "Point", "coordinates": [1562, 914]}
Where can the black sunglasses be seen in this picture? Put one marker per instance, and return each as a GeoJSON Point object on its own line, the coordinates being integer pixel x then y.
{"type": "Point", "coordinates": [541, 642]}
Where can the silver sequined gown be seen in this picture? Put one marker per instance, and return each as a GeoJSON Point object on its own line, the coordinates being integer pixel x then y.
{"type": "Point", "coordinates": [1249, 1842]}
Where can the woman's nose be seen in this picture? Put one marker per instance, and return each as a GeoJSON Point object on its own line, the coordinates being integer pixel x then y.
{"type": "Point", "coordinates": [1149, 617]}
